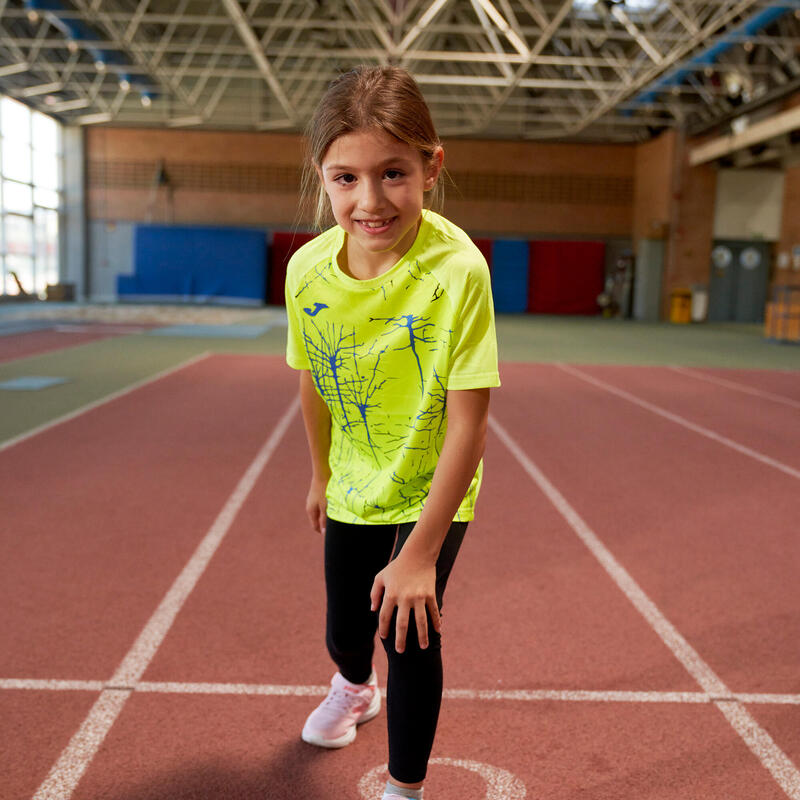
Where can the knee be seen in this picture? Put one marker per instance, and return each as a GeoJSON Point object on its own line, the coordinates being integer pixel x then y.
{"type": "Point", "coordinates": [412, 639]}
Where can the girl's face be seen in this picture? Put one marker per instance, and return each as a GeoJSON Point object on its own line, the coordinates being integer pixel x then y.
{"type": "Point", "coordinates": [375, 184]}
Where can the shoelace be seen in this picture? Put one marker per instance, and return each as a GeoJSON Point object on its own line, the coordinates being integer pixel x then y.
{"type": "Point", "coordinates": [341, 700]}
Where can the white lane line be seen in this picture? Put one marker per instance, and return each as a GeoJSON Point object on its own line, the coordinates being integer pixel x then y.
{"type": "Point", "coordinates": [66, 773]}
{"type": "Point", "coordinates": [763, 746]}
{"type": "Point", "coordinates": [577, 696]}
{"type": "Point", "coordinates": [102, 401]}
{"type": "Point", "coordinates": [739, 387]}
{"type": "Point", "coordinates": [662, 412]}
{"type": "Point", "coordinates": [320, 690]}
{"type": "Point", "coordinates": [755, 737]}
{"type": "Point", "coordinates": [39, 684]}
{"type": "Point", "coordinates": [77, 755]}
{"type": "Point", "coordinates": [500, 784]}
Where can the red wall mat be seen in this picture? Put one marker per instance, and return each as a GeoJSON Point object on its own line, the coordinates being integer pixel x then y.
{"type": "Point", "coordinates": [565, 277]}
{"type": "Point", "coordinates": [485, 246]}
{"type": "Point", "coordinates": [284, 244]}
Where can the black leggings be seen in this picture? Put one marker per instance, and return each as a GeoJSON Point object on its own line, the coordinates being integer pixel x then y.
{"type": "Point", "coordinates": [354, 555]}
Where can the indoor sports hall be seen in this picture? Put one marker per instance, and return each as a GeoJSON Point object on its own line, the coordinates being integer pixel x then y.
{"type": "Point", "coordinates": [623, 619]}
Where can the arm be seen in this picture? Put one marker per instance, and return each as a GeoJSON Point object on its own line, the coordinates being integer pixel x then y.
{"type": "Point", "coordinates": [317, 420]}
{"type": "Point", "coordinates": [409, 582]}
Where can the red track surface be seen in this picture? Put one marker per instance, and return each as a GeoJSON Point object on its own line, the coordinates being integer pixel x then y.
{"type": "Point", "coordinates": [22, 345]}
{"type": "Point", "coordinates": [106, 510]}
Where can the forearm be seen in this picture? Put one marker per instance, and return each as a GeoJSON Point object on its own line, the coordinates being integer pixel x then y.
{"type": "Point", "coordinates": [461, 453]}
{"type": "Point", "coordinates": [317, 421]}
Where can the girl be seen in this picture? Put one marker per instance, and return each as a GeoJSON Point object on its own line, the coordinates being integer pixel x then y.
{"type": "Point", "coordinates": [391, 324]}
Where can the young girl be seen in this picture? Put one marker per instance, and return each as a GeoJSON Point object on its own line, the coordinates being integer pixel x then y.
{"type": "Point", "coordinates": [391, 324]}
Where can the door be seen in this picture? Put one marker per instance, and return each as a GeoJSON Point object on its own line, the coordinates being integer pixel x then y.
{"type": "Point", "coordinates": [739, 278]}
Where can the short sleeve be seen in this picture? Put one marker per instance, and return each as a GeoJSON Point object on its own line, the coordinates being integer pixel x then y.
{"type": "Point", "coordinates": [296, 356]}
{"type": "Point", "coordinates": [473, 356]}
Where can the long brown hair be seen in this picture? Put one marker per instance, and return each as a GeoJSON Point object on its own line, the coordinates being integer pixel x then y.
{"type": "Point", "coordinates": [366, 98]}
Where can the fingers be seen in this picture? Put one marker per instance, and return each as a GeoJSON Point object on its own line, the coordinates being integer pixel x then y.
{"type": "Point", "coordinates": [401, 627]}
{"type": "Point", "coordinates": [436, 617]}
{"type": "Point", "coordinates": [317, 515]}
{"type": "Point", "coordinates": [375, 594]}
{"type": "Point", "coordinates": [313, 517]}
{"type": "Point", "coordinates": [422, 624]}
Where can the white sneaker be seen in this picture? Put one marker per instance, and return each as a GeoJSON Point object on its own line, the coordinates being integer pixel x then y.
{"type": "Point", "coordinates": [333, 722]}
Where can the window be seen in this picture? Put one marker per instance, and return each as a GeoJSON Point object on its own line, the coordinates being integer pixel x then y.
{"type": "Point", "coordinates": [30, 198]}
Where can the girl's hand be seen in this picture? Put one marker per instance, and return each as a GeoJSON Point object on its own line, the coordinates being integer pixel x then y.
{"type": "Point", "coordinates": [406, 583]}
{"type": "Point", "coordinates": [317, 504]}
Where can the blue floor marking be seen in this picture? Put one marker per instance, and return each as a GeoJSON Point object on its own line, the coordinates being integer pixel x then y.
{"type": "Point", "coordinates": [213, 331]}
{"type": "Point", "coordinates": [24, 326]}
{"type": "Point", "coordinates": [31, 383]}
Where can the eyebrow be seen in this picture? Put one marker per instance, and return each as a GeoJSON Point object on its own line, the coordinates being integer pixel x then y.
{"type": "Point", "coordinates": [382, 165]}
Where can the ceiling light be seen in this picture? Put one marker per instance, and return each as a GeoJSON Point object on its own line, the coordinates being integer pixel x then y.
{"type": "Point", "coordinates": [748, 46]}
{"type": "Point", "coordinates": [124, 84]}
{"type": "Point", "coordinates": [33, 15]}
{"type": "Point", "coordinates": [733, 83]}
{"type": "Point", "coordinates": [72, 46]}
{"type": "Point", "coordinates": [100, 65]}
{"type": "Point", "coordinates": [146, 100]}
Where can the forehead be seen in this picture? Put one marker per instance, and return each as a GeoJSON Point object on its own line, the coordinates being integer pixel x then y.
{"type": "Point", "coordinates": [365, 149]}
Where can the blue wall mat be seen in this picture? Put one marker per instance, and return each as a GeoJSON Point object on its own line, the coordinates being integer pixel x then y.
{"type": "Point", "coordinates": [510, 274]}
{"type": "Point", "coordinates": [197, 264]}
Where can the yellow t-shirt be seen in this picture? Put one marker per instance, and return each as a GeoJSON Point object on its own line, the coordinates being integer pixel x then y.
{"type": "Point", "coordinates": [383, 353]}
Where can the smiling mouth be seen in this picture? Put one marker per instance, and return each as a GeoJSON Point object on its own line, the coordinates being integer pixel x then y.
{"type": "Point", "coordinates": [375, 225]}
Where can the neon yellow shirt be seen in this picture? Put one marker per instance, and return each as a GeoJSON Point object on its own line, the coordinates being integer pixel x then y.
{"type": "Point", "coordinates": [383, 353]}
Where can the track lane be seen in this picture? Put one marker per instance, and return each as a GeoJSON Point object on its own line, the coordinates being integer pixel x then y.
{"type": "Point", "coordinates": [781, 382]}
{"type": "Point", "coordinates": [104, 510]}
{"type": "Point", "coordinates": [759, 423]}
{"type": "Point", "coordinates": [257, 615]}
{"type": "Point", "coordinates": [34, 728]}
{"type": "Point", "coordinates": [59, 337]}
{"type": "Point", "coordinates": [708, 533]}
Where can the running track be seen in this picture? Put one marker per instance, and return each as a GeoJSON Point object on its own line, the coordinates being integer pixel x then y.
{"type": "Point", "coordinates": [58, 336]}
{"type": "Point", "coordinates": [622, 622]}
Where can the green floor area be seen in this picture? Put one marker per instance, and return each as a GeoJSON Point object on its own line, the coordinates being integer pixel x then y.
{"type": "Point", "coordinates": [97, 369]}
{"type": "Point", "coordinates": [593, 340]}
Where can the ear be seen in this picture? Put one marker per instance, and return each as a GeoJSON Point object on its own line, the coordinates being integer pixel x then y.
{"type": "Point", "coordinates": [433, 168]}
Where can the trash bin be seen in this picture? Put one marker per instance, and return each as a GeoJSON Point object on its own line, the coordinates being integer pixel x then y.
{"type": "Point", "coordinates": [680, 308]}
{"type": "Point", "coordinates": [699, 302]}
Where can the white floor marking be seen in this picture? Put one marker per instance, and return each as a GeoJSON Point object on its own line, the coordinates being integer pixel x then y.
{"type": "Point", "coordinates": [52, 685]}
{"type": "Point", "coordinates": [320, 690]}
{"type": "Point", "coordinates": [662, 412]}
{"type": "Point", "coordinates": [69, 768]}
{"type": "Point", "coordinates": [739, 387]}
{"type": "Point", "coordinates": [756, 738]}
{"type": "Point", "coordinates": [500, 784]}
{"type": "Point", "coordinates": [102, 401]}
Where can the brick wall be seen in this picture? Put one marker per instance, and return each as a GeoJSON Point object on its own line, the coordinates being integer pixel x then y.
{"type": "Point", "coordinates": [250, 178]}
{"type": "Point", "coordinates": [653, 187]}
{"type": "Point", "coordinates": [688, 257]}
{"type": "Point", "coordinates": [790, 226]}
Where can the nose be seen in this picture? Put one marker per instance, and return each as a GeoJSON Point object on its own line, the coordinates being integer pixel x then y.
{"type": "Point", "coordinates": [372, 199]}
